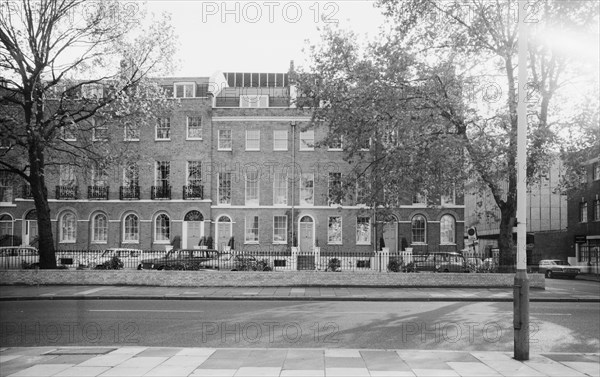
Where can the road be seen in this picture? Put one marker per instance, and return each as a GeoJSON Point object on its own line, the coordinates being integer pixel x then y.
{"type": "Point", "coordinates": [556, 327]}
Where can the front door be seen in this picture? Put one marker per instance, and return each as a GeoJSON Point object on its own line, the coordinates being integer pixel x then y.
{"type": "Point", "coordinates": [30, 232]}
{"type": "Point", "coordinates": [390, 236]}
{"type": "Point", "coordinates": [193, 229]}
{"type": "Point", "coordinates": [223, 232]}
{"type": "Point", "coordinates": [307, 239]}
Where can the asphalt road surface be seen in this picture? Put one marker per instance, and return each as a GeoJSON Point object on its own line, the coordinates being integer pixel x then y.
{"type": "Point", "coordinates": [555, 327]}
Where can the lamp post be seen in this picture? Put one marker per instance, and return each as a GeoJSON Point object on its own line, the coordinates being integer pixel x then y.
{"type": "Point", "coordinates": [521, 285]}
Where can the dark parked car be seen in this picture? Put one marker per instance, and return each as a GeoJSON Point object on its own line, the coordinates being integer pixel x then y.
{"type": "Point", "coordinates": [442, 262]}
{"type": "Point", "coordinates": [556, 267]}
{"type": "Point", "coordinates": [183, 259]}
{"type": "Point", "coordinates": [230, 262]}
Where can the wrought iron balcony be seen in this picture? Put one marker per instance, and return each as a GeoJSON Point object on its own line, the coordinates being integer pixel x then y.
{"type": "Point", "coordinates": [66, 192]}
{"type": "Point", "coordinates": [129, 192]}
{"type": "Point", "coordinates": [98, 192]}
{"type": "Point", "coordinates": [26, 192]}
{"type": "Point", "coordinates": [161, 192]}
{"type": "Point", "coordinates": [193, 192]}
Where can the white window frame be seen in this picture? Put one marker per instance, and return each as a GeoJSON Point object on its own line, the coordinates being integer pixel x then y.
{"type": "Point", "coordinates": [447, 236]}
{"type": "Point", "coordinates": [99, 176]}
{"type": "Point", "coordinates": [96, 132]}
{"type": "Point", "coordinates": [67, 132]}
{"type": "Point", "coordinates": [220, 189]}
{"type": "Point", "coordinates": [220, 146]}
{"type": "Point", "coordinates": [133, 181]}
{"type": "Point", "coordinates": [7, 224]}
{"type": "Point", "coordinates": [278, 137]}
{"type": "Point", "coordinates": [329, 233]}
{"type": "Point", "coordinates": [96, 230]}
{"type": "Point", "coordinates": [247, 230]}
{"type": "Point", "coordinates": [6, 187]}
{"type": "Point", "coordinates": [303, 188]}
{"type": "Point", "coordinates": [597, 210]}
{"type": "Point", "coordinates": [251, 141]}
{"type": "Point", "coordinates": [596, 171]}
{"type": "Point", "coordinates": [156, 229]}
{"type": "Point", "coordinates": [163, 124]}
{"type": "Point", "coordinates": [67, 235]}
{"type": "Point", "coordinates": [159, 181]}
{"type": "Point", "coordinates": [280, 189]}
{"type": "Point", "coordinates": [136, 235]}
{"type": "Point", "coordinates": [412, 236]}
{"type": "Point", "coordinates": [252, 188]}
{"type": "Point", "coordinates": [131, 136]}
{"type": "Point", "coordinates": [184, 84]}
{"type": "Point", "coordinates": [363, 242]}
{"type": "Point", "coordinates": [188, 118]}
{"type": "Point", "coordinates": [67, 176]}
{"type": "Point", "coordinates": [583, 212]}
{"type": "Point", "coordinates": [307, 137]}
{"type": "Point", "coordinates": [284, 229]}
{"type": "Point", "coordinates": [197, 181]}
{"type": "Point", "coordinates": [329, 181]}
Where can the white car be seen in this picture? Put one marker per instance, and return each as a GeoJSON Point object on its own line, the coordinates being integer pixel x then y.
{"type": "Point", "coordinates": [17, 257]}
{"type": "Point", "coordinates": [131, 258]}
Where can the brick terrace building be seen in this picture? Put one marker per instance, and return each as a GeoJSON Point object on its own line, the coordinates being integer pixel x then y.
{"type": "Point", "coordinates": [584, 220]}
{"type": "Point", "coordinates": [234, 160]}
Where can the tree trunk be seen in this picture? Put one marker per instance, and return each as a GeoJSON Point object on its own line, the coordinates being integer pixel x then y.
{"type": "Point", "coordinates": [505, 239]}
{"type": "Point", "coordinates": [40, 198]}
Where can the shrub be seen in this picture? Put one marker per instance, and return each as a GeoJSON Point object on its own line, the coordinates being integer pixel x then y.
{"type": "Point", "coordinates": [263, 265]}
{"type": "Point", "coordinates": [410, 267]}
{"type": "Point", "coordinates": [113, 264]}
{"type": "Point", "coordinates": [393, 266]}
{"type": "Point", "coordinates": [334, 264]}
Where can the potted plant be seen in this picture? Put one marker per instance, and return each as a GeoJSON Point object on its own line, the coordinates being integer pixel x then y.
{"type": "Point", "coordinates": [203, 243]}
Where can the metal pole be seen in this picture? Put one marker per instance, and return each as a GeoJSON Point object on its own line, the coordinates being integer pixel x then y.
{"type": "Point", "coordinates": [521, 287]}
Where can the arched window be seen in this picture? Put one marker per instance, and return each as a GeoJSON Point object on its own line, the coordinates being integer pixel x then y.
{"type": "Point", "coordinates": [419, 229]}
{"type": "Point", "coordinates": [447, 230]}
{"type": "Point", "coordinates": [193, 216]}
{"type": "Point", "coordinates": [6, 226]}
{"type": "Point", "coordinates": [68, 227]}
{"type": "Point", "coordinates": [99, 228]}
{"type": "Point", "coordinates": [162, 228]}
{"type": "Point", "coordinates": [131, 229]}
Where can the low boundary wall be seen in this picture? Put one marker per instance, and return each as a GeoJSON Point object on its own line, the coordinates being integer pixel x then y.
{"type": "Point", "coordinates": [262, 279]}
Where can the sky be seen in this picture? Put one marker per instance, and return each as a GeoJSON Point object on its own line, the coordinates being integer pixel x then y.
{"type": "Point", "coordinates": [257, 36]}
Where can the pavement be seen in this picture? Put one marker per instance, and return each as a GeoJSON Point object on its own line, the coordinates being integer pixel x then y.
{"type": "Point", "coordinates": [278, 362]}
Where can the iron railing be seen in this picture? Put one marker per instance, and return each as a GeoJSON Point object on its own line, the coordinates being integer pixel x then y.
{"type": "Point", "coordinates": [98, 192]}
{"type": "Point", "coordinates": [161, 192]}
{"type": "Point", "coordinates": [66, 192]}
{"type": "Point", "coordinates": [129, 192]}
{"type": "Point", "coordinates": [248, 258]}
{"type": "Point", "coordinates": [193, 192]}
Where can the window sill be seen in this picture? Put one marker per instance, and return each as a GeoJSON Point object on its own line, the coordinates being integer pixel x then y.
{"type": "Point", "coordinates": [67, 242]}
{"type": "Point", "coordinates": [131, 139]}
{"type": "Point", "coordinates": [252, 150]}
{"type": "Point", "coordinates": [162, 242]}
{"type": "Point", "coordinates": [279, 242]}
{"type": "Point", "coordinates": [224, 150]}
{"type": "Point", "coordinates": [334, 243]}
{"type": "Point", "coordinates": [363, 244]}
{"type": "Point", "coordinates": [251, 242]}
{"type": "Point", "coordinates": [335, 150]}
{"type": "Point", "coordinates": [99, 242]}
{"type": "Point", "coordinates": [130, 242]}
{"type": "Point", "coordinates": [194, 138]}
{"type": "Point", "coordinates": [162, 139]}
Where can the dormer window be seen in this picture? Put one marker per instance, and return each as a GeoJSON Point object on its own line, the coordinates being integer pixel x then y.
{"type": "Point", "coordinates": [256, 101]}
{"type": "Point", "coordinates": [184, 89]}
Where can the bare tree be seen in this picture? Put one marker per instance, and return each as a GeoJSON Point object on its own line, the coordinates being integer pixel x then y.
{"type": "Point", "coordinates": [74, 73]}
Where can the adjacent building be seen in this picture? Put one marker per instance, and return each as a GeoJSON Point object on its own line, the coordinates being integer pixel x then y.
{"type": "Point", "coordinates": [584, 220]}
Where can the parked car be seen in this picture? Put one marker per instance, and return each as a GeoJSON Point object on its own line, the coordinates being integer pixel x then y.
{"type": "Point", "coordinates": [442, 262]}
{"type": "Point", "coordinates": [131, 258]}
{"type": "Point", "coordinates": [474, 264]}
{"type": "Point", "coordinates": [182, 259]}
{"type": "Point", "coordinates": [17, 257]}
{"type": "Point", "coordinates": [231, 262]}
{"type": "Point", "coordinates": [556, 267]}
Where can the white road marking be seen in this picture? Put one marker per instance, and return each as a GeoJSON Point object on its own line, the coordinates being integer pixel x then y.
{"type": "Point", "coordinates": [145, 310]}
{"type": "Point", "coordinates": [90, 291]}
